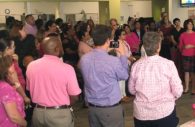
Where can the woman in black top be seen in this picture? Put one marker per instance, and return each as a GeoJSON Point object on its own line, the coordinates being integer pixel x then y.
{"type": "Point", "coordinates": [176, 55]}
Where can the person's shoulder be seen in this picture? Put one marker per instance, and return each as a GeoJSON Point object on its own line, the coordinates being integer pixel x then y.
{"type": "Point", "coordinates": [87, 55]}
{"type": "Point", "coordinates": [66, 69]}
{"type": "Point", "coordinates": [67, 66]}
{"type": "Point", "coordinates": [81, 44]}
{"type": "Point", "coordinates": [139, 61]}
{"type": "Point", "coordinates": [173, 30]}
{"type": "Point", "coordinates": [165, 61]}
{"type": "Point", "coordinates": [5, 87]}
{"type": "Point", "coordinates": [35, 62]}
{"type": "Point", "coordinates": [183, 34]}
{"type": "Point", "coordinates": [113, 60]}
{"type": "Point", "coordinates": [134, 34]}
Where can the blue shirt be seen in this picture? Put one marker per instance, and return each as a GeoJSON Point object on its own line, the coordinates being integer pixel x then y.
{"type": "Point", "coordinates": [101, 73]}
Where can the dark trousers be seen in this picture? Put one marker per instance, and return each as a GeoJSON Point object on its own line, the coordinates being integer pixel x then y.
{"type": "Point", "coordinates": [169, 121]}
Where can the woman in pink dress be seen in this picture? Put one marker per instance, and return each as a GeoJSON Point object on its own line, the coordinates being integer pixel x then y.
{"type": "Point", "coordinates": [132, 39]}
{"type": "Point", "coordinates": [187, 48]}
{"type": "Point", "coordinates": [11, 103]}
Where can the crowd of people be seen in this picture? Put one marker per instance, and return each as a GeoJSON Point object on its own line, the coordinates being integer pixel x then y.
{"type": "Point", "coordinates": [46, 66]}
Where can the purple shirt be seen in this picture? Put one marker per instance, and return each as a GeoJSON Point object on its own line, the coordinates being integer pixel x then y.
{"type": "Point", "coordinates": [29, 29]}
{"type": "Point", "coordinates": [101, 73]}
{"type": "Point", "coordinates": [9, 95]}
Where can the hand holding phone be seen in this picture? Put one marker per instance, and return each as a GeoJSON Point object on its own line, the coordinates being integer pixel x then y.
{"type": "Point", "coordinates": [114, 44]}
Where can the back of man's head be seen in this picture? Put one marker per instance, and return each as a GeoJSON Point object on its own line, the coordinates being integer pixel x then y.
{"type": "Point", "coordinates": [51, 46]}
{"type": "Point", "coordinates": [100, 34]}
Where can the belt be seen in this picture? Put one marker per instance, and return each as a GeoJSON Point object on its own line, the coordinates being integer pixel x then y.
{"type": "Point", "coordinates": [97, 106]}
{"type": "Point", "coordinates": [53, 107]}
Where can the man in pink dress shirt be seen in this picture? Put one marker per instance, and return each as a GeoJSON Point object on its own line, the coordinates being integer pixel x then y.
{"type": "Point", "coordinates": [156, 85]}
{"type": "Point", "coordinates": [53, 87]}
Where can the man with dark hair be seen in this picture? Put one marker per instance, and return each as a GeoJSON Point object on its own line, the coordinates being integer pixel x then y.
{"type": "Point", "coordinates": [101, 73]}
{"type": "Point", "coordinates": [9, 22]}
{"type": "Point", "coordinates": [59, 22]}
{"type": "Point", "coordinates": [114, 25]}
{"type": "Point", "coordinates": [30, 26]}
{"type": "Point", "coordinates": [156, 85]}
{"type": "Point", "coordinates": [53, 87]}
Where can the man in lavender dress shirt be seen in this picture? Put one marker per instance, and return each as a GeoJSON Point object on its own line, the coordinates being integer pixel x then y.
{"type": "Point", "coordinates": [101, 73]}
{"type": "Point", "coordinates": [30, 27]}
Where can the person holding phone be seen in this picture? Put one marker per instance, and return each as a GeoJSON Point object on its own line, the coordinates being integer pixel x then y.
{"type": "Point", "coordinates": [101, 73]}
{"type": "Point", "coordinates": [120, 39]}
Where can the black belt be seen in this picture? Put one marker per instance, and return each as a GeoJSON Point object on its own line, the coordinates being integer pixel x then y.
{"type": "Point", "coordinates": [53, 107]}
{"type": "Point", "coordinates": [97, 106]}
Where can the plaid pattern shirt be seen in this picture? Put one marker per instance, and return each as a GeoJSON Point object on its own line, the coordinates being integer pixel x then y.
{"type": "Point", "coordinates": [156, 85]}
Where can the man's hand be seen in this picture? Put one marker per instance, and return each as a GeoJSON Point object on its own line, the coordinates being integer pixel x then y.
{"type": "Point", "coordinates": [27, 100]}
{"type": "Point", "coordinates": [131, 58]}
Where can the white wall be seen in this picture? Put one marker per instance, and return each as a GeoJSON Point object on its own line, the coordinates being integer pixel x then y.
{"type": "Point", "coordinates": [133, 8]}
{"type": "Point", "coordinates": [126, 10]}
{"type": "Point", "coordinates": [42, 7]}
{"type": "Point", "coordinates": [141, 8]}
{"type": "Point", "coordinates": [177, 11]}
{"type": "Point", "coordinates": [16, 9]}
{"type": "Point", "coordinates": [136, 9]}
{"type": "Point", "coordinates": [77, 7]}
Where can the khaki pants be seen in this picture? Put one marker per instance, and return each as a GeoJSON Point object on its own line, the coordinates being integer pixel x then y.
{"type": "Point", "coordinates": [52, 118]}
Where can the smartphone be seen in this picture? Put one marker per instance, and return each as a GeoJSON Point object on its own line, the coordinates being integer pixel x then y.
{"type": "Point", "coordinates": [114, 44]}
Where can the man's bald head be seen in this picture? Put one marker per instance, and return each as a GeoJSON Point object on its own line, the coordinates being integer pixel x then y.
{"type": "Point", "coordinates": [52, 46]}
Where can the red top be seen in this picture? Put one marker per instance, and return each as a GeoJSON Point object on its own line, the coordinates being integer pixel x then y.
{"type": "Point", "coordinates": [133, 41]}
{"type": "Point", "coordinates": [187, 39]}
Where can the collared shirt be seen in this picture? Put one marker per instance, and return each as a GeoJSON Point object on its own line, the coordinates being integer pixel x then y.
{"type": "Point", "coordinates": [101, 73]}
{"type": "Point", "coordinates": [29, 29]}
{"type": "Point", "coordinates": [51, 82]}
{"type": "Point", "coordinates": [156, 85]}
